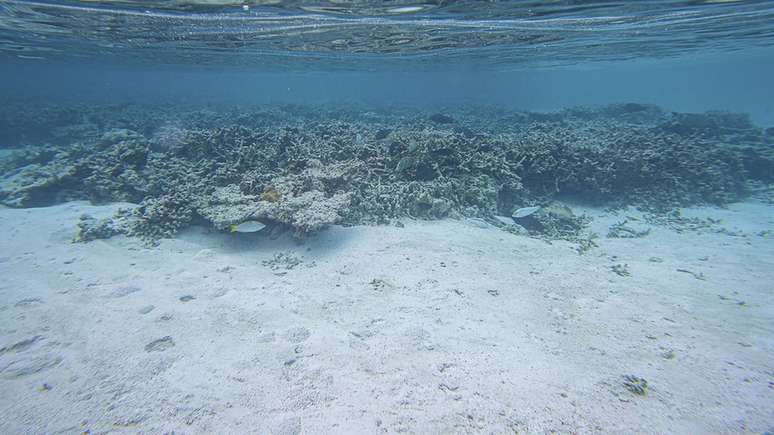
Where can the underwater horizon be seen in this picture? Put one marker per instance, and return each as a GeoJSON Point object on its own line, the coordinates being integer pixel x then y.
{"type": "Point", "coordinates": [361, 216]}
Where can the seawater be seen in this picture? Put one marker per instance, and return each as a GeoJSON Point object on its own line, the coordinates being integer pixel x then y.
{"type": "Point", "coordinates": [455, 216]}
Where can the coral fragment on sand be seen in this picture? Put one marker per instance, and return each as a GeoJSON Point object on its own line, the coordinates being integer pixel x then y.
{"type": "Point", "coordinates": [635, 385]}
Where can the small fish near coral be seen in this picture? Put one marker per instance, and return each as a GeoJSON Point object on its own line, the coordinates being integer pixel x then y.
{"type": "Point", "coordinates": [525, 211]}
{"type": "Point", "coordinates": [247, 227]}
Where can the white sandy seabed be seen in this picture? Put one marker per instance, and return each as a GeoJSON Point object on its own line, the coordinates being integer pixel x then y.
{"type": "Point", "coordinates": [437, 327]}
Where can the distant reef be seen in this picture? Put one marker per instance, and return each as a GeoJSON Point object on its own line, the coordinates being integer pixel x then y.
{"type": "Point", "coordinates": [301, 168]}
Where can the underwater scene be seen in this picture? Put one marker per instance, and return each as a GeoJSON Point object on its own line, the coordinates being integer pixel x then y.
{"type": "Point", "coordinates": [386, 216]}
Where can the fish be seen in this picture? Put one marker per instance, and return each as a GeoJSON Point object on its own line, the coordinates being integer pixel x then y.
{"type": "Point", "coordinates": [525, 211]}
{"type": "Point", "coordinates": [247, 227]}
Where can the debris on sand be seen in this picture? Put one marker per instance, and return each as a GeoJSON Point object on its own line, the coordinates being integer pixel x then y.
{"type": "Point", "coordinates": [160, 344]}
{"type": "Point", "coordinates": [621, 269]}
{"type": "Point", "coordinates": [636, 385]}
{"type": "Point", "coordinates": [282, 261]}
{"type": "Point", "coordinates": [621, 230]}
{"type": "Point", "coordinates": [698, 275]}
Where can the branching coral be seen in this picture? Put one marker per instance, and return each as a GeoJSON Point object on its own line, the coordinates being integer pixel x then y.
{"type": "Point", "coordinates": [305, 167]}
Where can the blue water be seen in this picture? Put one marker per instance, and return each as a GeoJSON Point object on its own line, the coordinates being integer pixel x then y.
{"type": "Point", "coordinates": [683, 55]}
{"type": "Point", "coordinates": [373, 36]}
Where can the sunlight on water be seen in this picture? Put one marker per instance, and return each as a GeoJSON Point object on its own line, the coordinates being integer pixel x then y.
{"type": "Point", "coordinates": [302, 35]}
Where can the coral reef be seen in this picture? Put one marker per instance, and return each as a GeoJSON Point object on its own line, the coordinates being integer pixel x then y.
{"type": "Point", "coordinates": [305, 167]}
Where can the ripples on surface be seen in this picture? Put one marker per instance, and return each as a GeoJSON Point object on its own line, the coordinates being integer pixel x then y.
{"type": "Point", "coordinates": [371, 34]}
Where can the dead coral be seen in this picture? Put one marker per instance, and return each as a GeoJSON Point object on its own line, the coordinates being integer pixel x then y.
{"type": "Point", "coordinates": [635, 385]}
{"type": "Point", "coordinates": [90, 228]}
{"type": "Point", "coordinates": [37, 184]}
{"type": "Point", "coordinates": [301, 202]}
{"type": "Point", "coordinates": [621, 230]}
{"type": "Point", "coordinates": [306, 167]}
{"type": "Point", "coordinates": [161, 217]}
{"type": "Point", "coordinates": [270, 194]}
{"type": "Point", "coordinates": [227, 206]}
{"type": "Point", "coordinates": [554, 221]}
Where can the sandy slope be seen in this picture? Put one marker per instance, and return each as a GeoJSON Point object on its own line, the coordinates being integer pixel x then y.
{"type": "Point", "coordinates": [437, 327]}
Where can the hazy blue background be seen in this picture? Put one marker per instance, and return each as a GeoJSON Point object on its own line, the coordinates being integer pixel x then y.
{"type": "Point", "coordinates": [741, 81]}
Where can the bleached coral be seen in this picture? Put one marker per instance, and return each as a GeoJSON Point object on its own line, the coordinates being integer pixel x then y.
{"type": "Point", "coordinates": [303, 168]}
